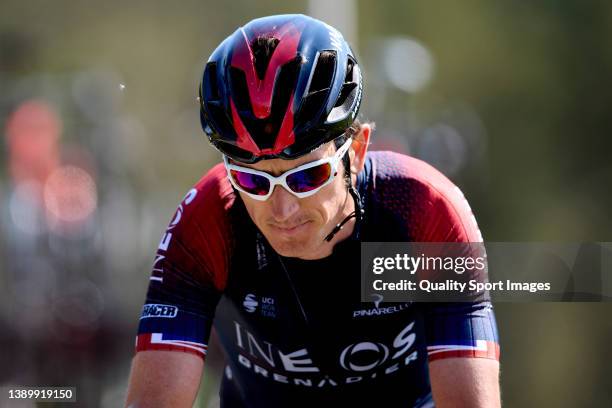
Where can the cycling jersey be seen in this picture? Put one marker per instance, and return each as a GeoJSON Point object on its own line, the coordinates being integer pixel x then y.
{"type": "Point", "coordinates": [295, 332]}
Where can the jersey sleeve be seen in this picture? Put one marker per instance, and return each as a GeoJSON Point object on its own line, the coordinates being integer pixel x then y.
{"type": "Point", "coordinates": [189, 271]}
{"type": "Point", "coordinates": [463, 329]}
{"type": "Point", "coordinates": [435, 210]}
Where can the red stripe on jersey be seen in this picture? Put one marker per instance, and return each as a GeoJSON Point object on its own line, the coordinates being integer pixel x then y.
{"type": "Point", "coordinates": [155, 341]}
{"type": "Point", "coordinates": [483, 349]}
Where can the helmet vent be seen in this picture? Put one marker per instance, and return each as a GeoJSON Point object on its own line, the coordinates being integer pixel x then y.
{"type": "Point", "coordinates": [345, 92]}
{"type": "Point", "coordinates": [324, 72]}
{"type": "Point", "coordinates": [265, 129]}
{"type": "Point", "coordinates": [211, 91]}
{"type": "Point", "coordinates": [234, 151]}
{"type": "Point", "coordinates": [350, 63]}
{"type": "Point", "coordinates": [350, 83]}
{"type": "Point", "coordinates": [320, 84]}
{"type": "Point", "coordinates": [348, 93]}
{"type": "Point", "coordinates": [263, 47]}
{"type": "Point", "coordinates": [239, 89]}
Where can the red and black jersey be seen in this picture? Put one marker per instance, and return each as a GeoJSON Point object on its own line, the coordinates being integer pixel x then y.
{"type": "Point", "coordinates": [295, 331]}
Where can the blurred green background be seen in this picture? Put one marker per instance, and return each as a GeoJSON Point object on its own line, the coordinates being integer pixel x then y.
{"type": "Point", "coordinates": [101, 140]}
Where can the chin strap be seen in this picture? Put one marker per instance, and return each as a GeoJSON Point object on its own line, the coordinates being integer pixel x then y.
{"type": "Point", "coordinates": [359, 211]}
{"type": "Point", "coordinates": [339, 226]}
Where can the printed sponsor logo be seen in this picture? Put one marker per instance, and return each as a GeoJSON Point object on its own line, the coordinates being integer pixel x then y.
{"type": "Point", "coordinates": [380, 311]}
{"type": "Point", "coordinates": [379, 350]}
{"type": "Point", "coordinates": [377, 299]}
{"type": "Point", "coordinates": [250, 303]}
{"type": "Point", "coordinates": [265, 304]}
{"type": "Point", "coordinates": [360, 361]}
{"type": "Point", "coordinates": [155, 310]}
{"type": "Point", "coordinates": [167, 237]}
{"type": "Point", "coordinates": [268, 306]}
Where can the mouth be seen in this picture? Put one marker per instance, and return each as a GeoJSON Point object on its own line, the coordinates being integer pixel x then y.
{"type": "Point", "coordinates": [290, 230]}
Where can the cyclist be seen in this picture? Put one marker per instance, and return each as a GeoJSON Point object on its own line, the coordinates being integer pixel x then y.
{"type": "Point", "coordinates": [266, 247]}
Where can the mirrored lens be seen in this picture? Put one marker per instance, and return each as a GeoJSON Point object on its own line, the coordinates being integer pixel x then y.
{"type": "Point", "coordinates": [309, 179]}
{"type": "Point", "coordinates": [251, 183]}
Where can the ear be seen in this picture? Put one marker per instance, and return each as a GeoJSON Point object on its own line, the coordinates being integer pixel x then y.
{"type": "Point", "coordinates": [359, 148]}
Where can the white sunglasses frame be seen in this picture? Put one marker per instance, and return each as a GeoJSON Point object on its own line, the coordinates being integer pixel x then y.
{"type": "Point", "coordinates": [281, 180]}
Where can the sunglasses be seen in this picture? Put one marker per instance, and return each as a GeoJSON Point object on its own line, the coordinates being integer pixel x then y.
{"type": "Point", "coordinates": [302, 181]}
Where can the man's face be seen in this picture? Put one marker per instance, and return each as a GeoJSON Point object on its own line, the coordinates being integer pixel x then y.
{"type": "Point", "coordinates": [296, 227]}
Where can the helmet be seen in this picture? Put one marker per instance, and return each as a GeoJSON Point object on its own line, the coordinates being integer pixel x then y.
{"type": "Point", "coordinates": [279, 87]}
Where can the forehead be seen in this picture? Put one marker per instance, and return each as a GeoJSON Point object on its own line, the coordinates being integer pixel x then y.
{"type": "Point", "coordinates": [278, 166]}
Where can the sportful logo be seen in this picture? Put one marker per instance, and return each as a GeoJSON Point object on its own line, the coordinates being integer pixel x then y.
{"type": "Point", "coordinates": [155, 310]}
{"type": "Point", "coordinates": [250, 303]}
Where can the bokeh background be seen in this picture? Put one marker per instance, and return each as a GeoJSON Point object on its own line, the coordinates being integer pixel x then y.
{"type": "Point", "coordinates": [101, 139]}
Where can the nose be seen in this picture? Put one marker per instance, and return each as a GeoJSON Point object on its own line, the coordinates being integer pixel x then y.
{"type": "Point", "coordinates": [284, 204]}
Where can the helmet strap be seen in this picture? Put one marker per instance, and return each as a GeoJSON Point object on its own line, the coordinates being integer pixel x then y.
{"type": "Point", "coordinates": [359, 211]}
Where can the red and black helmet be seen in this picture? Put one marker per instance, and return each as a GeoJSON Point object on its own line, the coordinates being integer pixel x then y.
{"type": "Point", "coordinates": [279, 87]}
